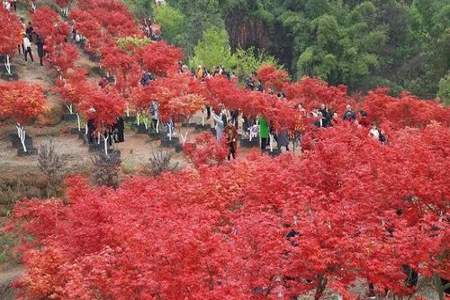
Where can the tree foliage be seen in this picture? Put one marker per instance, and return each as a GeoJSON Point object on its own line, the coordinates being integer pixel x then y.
{"type": "Point", "coordinates": [21, 101]}
{"type": "Point", "coordinates": [9, 35]}
{"type": "Point", "coordinates": [213, 50]}
{"type": "Point", "coordinates": [254, 229]}
{"type": "Point", "coordinates": [172, 22]}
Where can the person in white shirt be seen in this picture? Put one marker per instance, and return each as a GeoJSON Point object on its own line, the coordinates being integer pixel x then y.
{"type": "Point", "coordinates": [27, 47]}
{"type": "Point", "coordinates": [7, 5]}
{"type": "Point", "coordinates": [374, 132]}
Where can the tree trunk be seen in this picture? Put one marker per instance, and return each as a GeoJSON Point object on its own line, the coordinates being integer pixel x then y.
{"type": "Point", "coordinates": [440, 288]}
{"type": "Point", "coordinates": [321, 287]}
{"type": "Point", "coordinates": [78, 122]}
{"type": "Point", "coordinates": [270, 142]}
{"type": "Point", "coordinates": [70, 108]}
{"type": "Point", "coordinates": [105, 140]}
{"type": "Point", "coordinates": [22, 135]}
{"type": "Point", "coordinates": [8, 65]}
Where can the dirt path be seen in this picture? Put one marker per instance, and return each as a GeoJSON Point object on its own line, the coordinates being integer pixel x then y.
{"type": "Point", "coordinates": [8, 276]}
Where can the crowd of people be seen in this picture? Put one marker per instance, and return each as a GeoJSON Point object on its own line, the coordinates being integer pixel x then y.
{"type": "Point", "coordinates": [226, 123]}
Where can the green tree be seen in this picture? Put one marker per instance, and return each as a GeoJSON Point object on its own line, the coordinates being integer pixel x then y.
{"type": "Point", "coordinates": [249, 60]}
{"type": "Point", "coordinates": [172, 22]}
{"type": "Point", "coordinates": [213, 50]}
{"type": "Point", "coordinates": [140, 8]}
{"type": "Point", "coordinates": [444, 89]}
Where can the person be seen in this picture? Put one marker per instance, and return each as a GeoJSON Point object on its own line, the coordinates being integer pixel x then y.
{"type": "Point", "coordinates": [29, 31]}
{"type": "Point", "coordinates": [250, 83]}
{"type": "Point", "coordinates": [363, 119]}
{"type": "Point", "coordinates": [349, 114]}
{"type": "Point", "coordinates": [327, 115]}
{"type": "Point", "coordinates": [91, 131]}
{"type": "Point", "coordinates": [235, 117]}
{"type": "Point", "coordinates": [374, 132]}
{"type": "Point", "coordinates": [27, 47]}
{"type": "Point", "coordinates": [382, 136]}
{"type": "Point", "coordinates": [154, 111]}
{"type": "Point", "coordinates": [231, 136]}
{"type": "Point", "coordinates": [283, 139]}
{"type": "Point", "coordinates": [40, 49]}
{"type": "Point", "coordinates": [103, 82]}
{"type": "Point", "coordinates": [6, 5]}
{"type": "Point", "coordinates": [220, 120]}
{"type": "Point", "coordinates": [377, 134]}
{"type": "Point", "coordinates": [118, 130]}
{"type": "Point", "coordinates": [146, 78]}
{"type": "Point", "coordinates": [200, 72]}
{"type": "Point", "coordinates": [319, 118]}
{"type": "Point", "coordinates": [74, 31]}
{"type": "Point", "coordinates": [263, 132]}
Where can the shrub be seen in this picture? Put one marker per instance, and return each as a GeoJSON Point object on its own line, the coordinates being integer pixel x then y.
{"type": "Point", "coordinates": [52, 166]}
{"type": "Point", "coordinates": [106, 169]}
{"type": "Point", "coordinates": [160, 162]}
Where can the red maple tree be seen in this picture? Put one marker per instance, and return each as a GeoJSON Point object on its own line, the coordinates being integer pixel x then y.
{"type": "Point", "coordinates": [10, 36]}
{"type": "Point", "coordinates": [263, 228]}
{"type": "Point", "coordinates": [272, 77]}
{"type": "Point", "coordinates": [161, 58]}
{"type": "Point", "coordinates": [21, 102]}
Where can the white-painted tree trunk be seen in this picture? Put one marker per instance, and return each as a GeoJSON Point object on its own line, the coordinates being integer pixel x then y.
{"type": "Point", "coordinates": [184, 137]}
{"type": "Point", "coordinates": [145, 121]}
{"type": "Point", "coordinates": [79, 122]}
{"type": "Point", "coordinates": [203, 118]}
{"type": "Point", "coordinates": [157, 126]}
{"type": "Point", "coordinates": [105, 140]}
{"type": "Point", "coordinates": [128, 110]}
{"type": "Point", "coordinates": [8, 65]}
{"type": "Point", "coordinates": [22, 135]}
{"type": "Point", "coordinates": [170, 132]}
{"type": "Point", "coordinates": [270, 142]}
{"type": "Point", "coordinates": [70, 108]}
{"type": "Point", "coordinates": [138, 119]}
{"type": "Point", "coordinates": [86, 129]}
{"type": "Point", "coordinates": [98, 138]}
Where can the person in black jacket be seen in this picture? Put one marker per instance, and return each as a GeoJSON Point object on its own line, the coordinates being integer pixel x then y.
{"type": "Point", "coordinates": [118, 130]}
{"type": "Point", "coordinates": [349, 114]}
{"type": "Point", "coordinates": [40, 49]}
{"type": "Point", "coordinates": [327, 115]}
{"type": "Point", "coordinates": [91, 131]}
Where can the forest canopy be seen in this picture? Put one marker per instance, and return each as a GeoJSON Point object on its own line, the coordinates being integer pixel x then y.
{"type": "Point", "coordinates": [363, 44]}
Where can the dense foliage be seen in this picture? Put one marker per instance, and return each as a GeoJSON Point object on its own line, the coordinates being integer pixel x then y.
{"type": "Point", "coordinates": [350, 209]}
{"type": "Point", "coordinates": [21, 101]}
{"type": "Point", "coordinates": [363, 44]}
